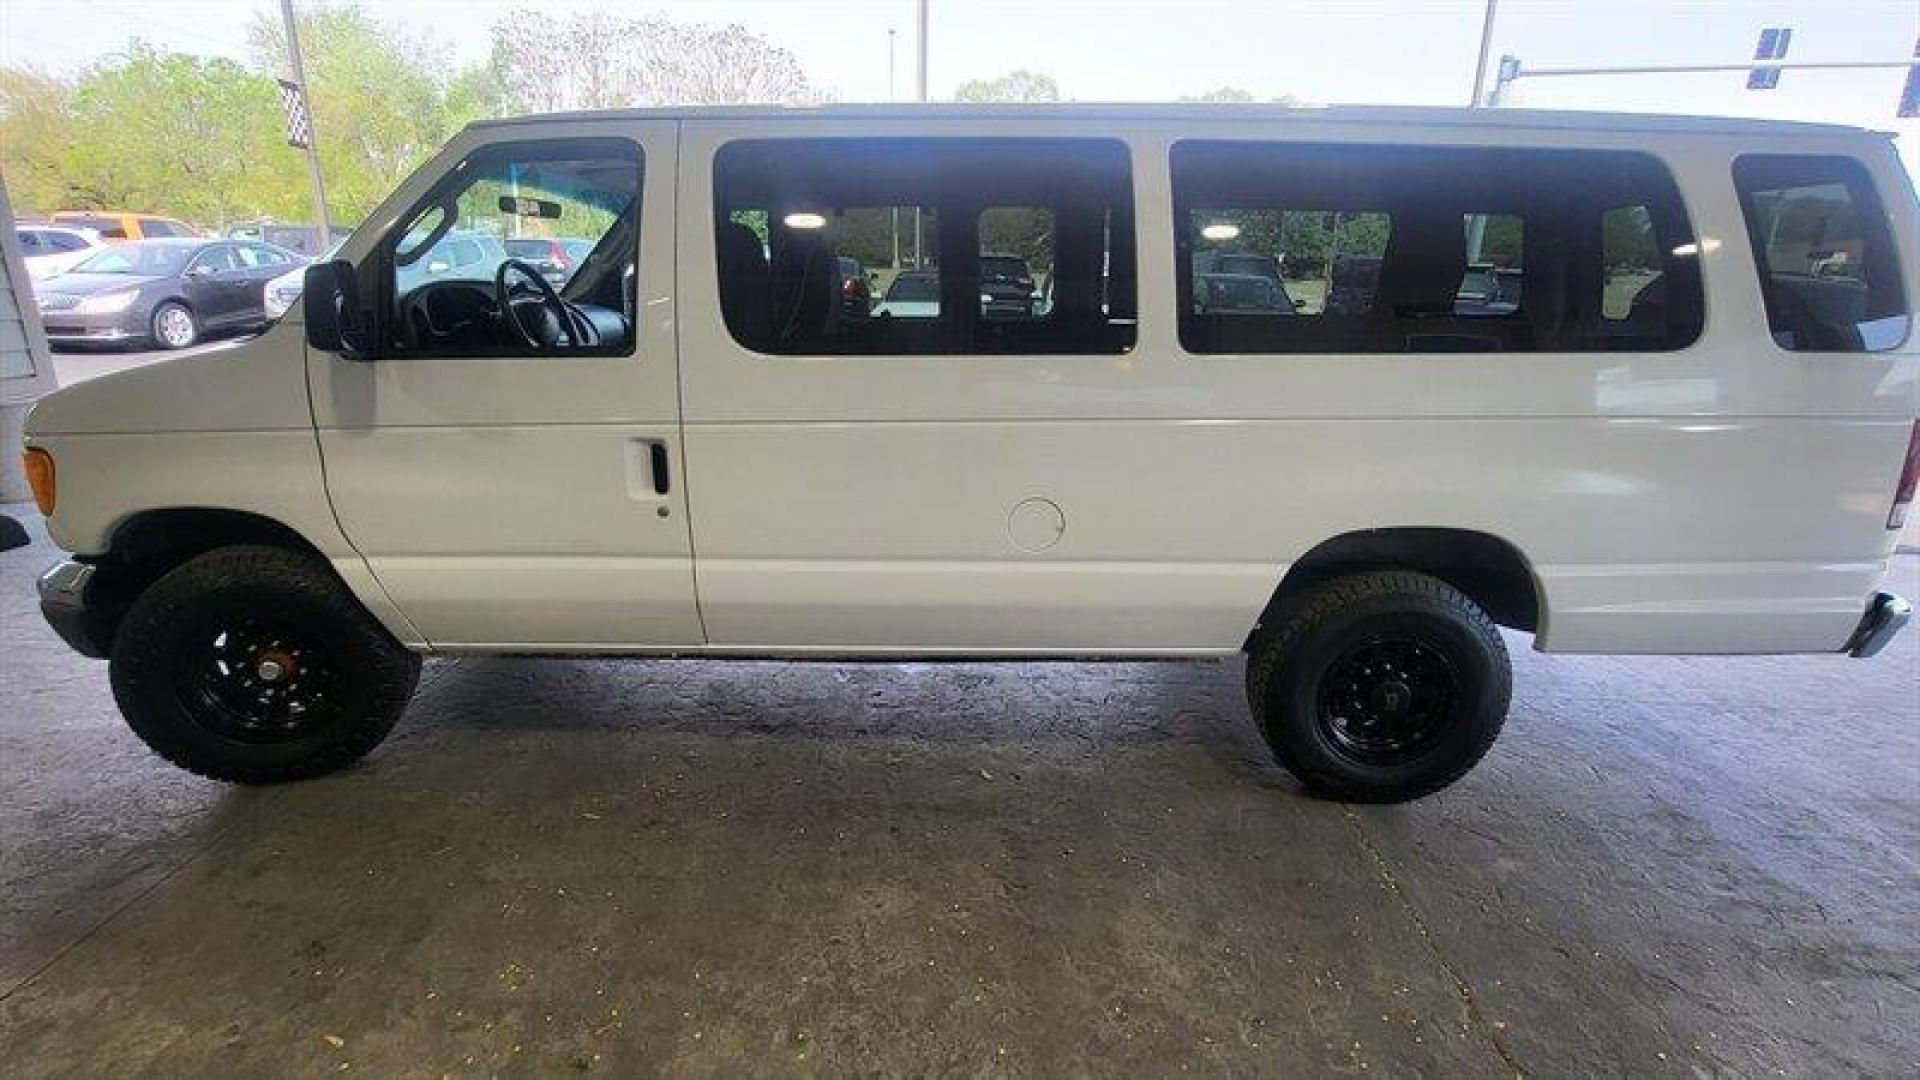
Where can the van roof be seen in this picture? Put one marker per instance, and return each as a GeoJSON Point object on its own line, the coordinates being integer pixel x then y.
{"type": "Point", "coordinates": [1383, 115]}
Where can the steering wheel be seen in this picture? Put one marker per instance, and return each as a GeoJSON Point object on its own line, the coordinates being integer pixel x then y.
{"type": "Point", "coordinates": [568, 330]}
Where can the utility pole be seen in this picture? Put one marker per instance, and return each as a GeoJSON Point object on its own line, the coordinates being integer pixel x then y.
{"type": "Point", "coordinates": [1763, 71]}
{"type": "Point", "coordinates": [1480, 68]}
{"type": "Point", "coordinates": [920, 87]}
{"type": "Point", "coordinates": [922, 70]}
{"type": "Point", "coordinates": [893, 212]}
{"type": "Point", "coordinates": [299, 69]}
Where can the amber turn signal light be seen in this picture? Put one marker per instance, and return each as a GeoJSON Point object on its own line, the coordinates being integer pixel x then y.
{"type": "Point", "coordinates": [39, 466]}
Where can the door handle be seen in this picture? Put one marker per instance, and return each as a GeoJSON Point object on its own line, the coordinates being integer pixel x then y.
{"type": "Point", "coordinates": [662, 479]}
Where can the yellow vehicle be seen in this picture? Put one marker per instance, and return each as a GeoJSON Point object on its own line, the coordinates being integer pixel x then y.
{"type": "Point", "coordinates": [120, 225]}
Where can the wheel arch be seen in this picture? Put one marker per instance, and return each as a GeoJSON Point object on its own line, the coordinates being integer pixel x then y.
{"type": "Point", "coordinates": [1490, 570]}
{"type": "Point", "coordinates": [144, 546]}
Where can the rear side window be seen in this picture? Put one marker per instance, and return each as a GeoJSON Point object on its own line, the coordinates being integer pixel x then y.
{"type": "Point", "coordinates": [1827, 267]}
{"type": "Point", "coordinates": [926, 246]}
{"type": "Point", "coordinates": [1313, 248]}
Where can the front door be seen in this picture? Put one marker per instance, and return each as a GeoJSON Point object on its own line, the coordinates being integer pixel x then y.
{"type": "Point", "coordinates": [513, 474]}
{"type": "Point", "coordinates": [214, 286]}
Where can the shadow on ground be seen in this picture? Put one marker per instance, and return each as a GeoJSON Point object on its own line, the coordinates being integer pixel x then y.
{"type": "Point", "coordinates": [1667, 867]}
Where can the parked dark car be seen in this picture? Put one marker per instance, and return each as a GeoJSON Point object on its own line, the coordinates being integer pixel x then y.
{"type": "Point", "coordinates": [856, 292]}
{"type": "Point", "coordinates": [170, 293]}
{"type": "Point", "coordinates": [1006, 287]}
{"type": "Point", "coordinates": [1237, 262]}
{"type": "Point", "coordinates": [302, 240]}
{"type": "Point", "coordinates": [1241, 294]}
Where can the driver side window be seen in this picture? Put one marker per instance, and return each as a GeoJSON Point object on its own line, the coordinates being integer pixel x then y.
{"type": "Point", "coordinates": [525, 249]}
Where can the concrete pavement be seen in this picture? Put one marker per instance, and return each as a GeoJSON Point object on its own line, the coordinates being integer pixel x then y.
{"type": "Point", "coordinates": [1667, 867]}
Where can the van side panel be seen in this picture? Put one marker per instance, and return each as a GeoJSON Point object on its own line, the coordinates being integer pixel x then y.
{"type": "Point", "coordinates": [227, 429]}
{"type": "Point", "coordinates": [1727, 497]}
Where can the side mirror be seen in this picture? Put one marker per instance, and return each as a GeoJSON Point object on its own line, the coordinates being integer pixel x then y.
{"type": "Point", "coordinates": [331, 304]}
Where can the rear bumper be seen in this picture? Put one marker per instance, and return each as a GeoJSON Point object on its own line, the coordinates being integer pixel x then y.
{"type": "Point", "coordinates": [1886, 614]}
{"type": "Point", "coordinates": [70, 602]}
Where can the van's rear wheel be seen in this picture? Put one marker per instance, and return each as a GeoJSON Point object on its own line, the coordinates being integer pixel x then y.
{"type": "Point", "coordinates": [1380, 687]}
{"type": "Point", "coordinates": [253, 665]}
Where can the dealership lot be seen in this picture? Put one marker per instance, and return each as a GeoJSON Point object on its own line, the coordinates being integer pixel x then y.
{"type": "Point", "coordinates": [1668, 866]}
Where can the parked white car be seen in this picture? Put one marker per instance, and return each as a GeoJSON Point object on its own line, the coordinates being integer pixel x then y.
{"type": "Point", "coordinates": [284, 291]}
{"type": "Point", "coordinates": [1683, 436]}
{"type": "Point", "coordinates": [49, 250]}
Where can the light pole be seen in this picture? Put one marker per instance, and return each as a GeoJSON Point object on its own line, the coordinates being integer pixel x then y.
{"type": "Point", "coordinates": [921, 71]}
{"type": "Point", "coordinates": [893, 212]}
{"type": "Point", "coordinates": [1480, 67]}
{"type": "Point", "coordinates": [920, 87]}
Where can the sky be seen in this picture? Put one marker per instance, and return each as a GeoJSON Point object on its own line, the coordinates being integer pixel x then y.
{"type": "Point", "coordinates": [1416, 52]}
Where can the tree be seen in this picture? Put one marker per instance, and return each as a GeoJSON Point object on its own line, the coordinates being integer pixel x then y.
{"type": "Point", "coordinates": [600, 61]}
{"type": "Point", "coordinates": [35, 122]}
{"type": "Point", "coordinates": [162, 131]}
{"type": "Point", "coordinates": [1233, 95]}
{"type": "Point", "coordinates": [380, 103]}
{"type": "Point", "coordinates": [1226, 94]}
{"type": "Point", "coordinates": [1014, 86]}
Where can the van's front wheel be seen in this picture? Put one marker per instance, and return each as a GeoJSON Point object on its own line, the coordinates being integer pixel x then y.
{"type": "Point", "coordinates": [1380, 687]}
{"type": "Point", "coordinates": [253, 665]}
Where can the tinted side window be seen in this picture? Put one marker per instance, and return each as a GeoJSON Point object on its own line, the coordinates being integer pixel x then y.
{"type": "Point", "coordinates": [1309, 248]}
{"type": "Point", "coordinates": [921, 246]}
{"type": "Point", "coordinates": [157, 227]}
{"type": "Point", "coordinates": [214, 258]}
{"type": "Point", "coordinates": [1828, 272]}
{"type": "Point", "coordinates": [29, 241]}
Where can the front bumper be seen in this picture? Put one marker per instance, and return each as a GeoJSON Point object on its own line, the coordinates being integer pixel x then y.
{"type": "Point", "coordinates": [71, 602]}
{"type": "Point", "coordinates": [1886, 614]}
{"type": "Point", "coordinates": [119, 326]}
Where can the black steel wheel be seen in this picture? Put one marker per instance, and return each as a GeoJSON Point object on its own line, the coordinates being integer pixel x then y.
{"type": "Point", "coordinates": [1384, 701]}
{"type": "Point", "coordinates": [254, 664]}
{"type": "Point", "coordinates": [1380, 687]}
{"type": "Point", "coordinates": [257, 680]}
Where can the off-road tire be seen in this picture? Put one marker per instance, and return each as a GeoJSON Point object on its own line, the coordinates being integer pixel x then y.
{"type": "Point", "coordinates": [370, 675]}
{"type": "Point", "coordinates": [1289, 660]}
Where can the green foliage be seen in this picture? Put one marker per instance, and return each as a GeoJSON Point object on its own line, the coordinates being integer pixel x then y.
{"type": "Point", "coordinates": [162, 132]}
{"type": "Point", "coordinates": [1014, 86]}
{"type": "Point", "coordinates": [1306, 241]}
{"type": "Point", "coordinates": [1231, 95]}
{"type": "Point", "coordinates": [35, 123]}
{"type": "Point", "coordinates": [1025, 231]}
{"type": "Point", "coordinates": [203, 139]}
{"type": "Point", "coordinates": [381, 101]}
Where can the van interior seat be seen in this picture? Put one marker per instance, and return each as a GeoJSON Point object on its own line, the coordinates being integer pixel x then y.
{"type": "Point", "coordinates": [745, 292]}
{"type": "Point", "coordinates": [803, 279]}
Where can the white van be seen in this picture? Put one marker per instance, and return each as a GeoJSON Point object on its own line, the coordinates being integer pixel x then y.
{"type": "Point", "coordinates": [1673, 414]}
